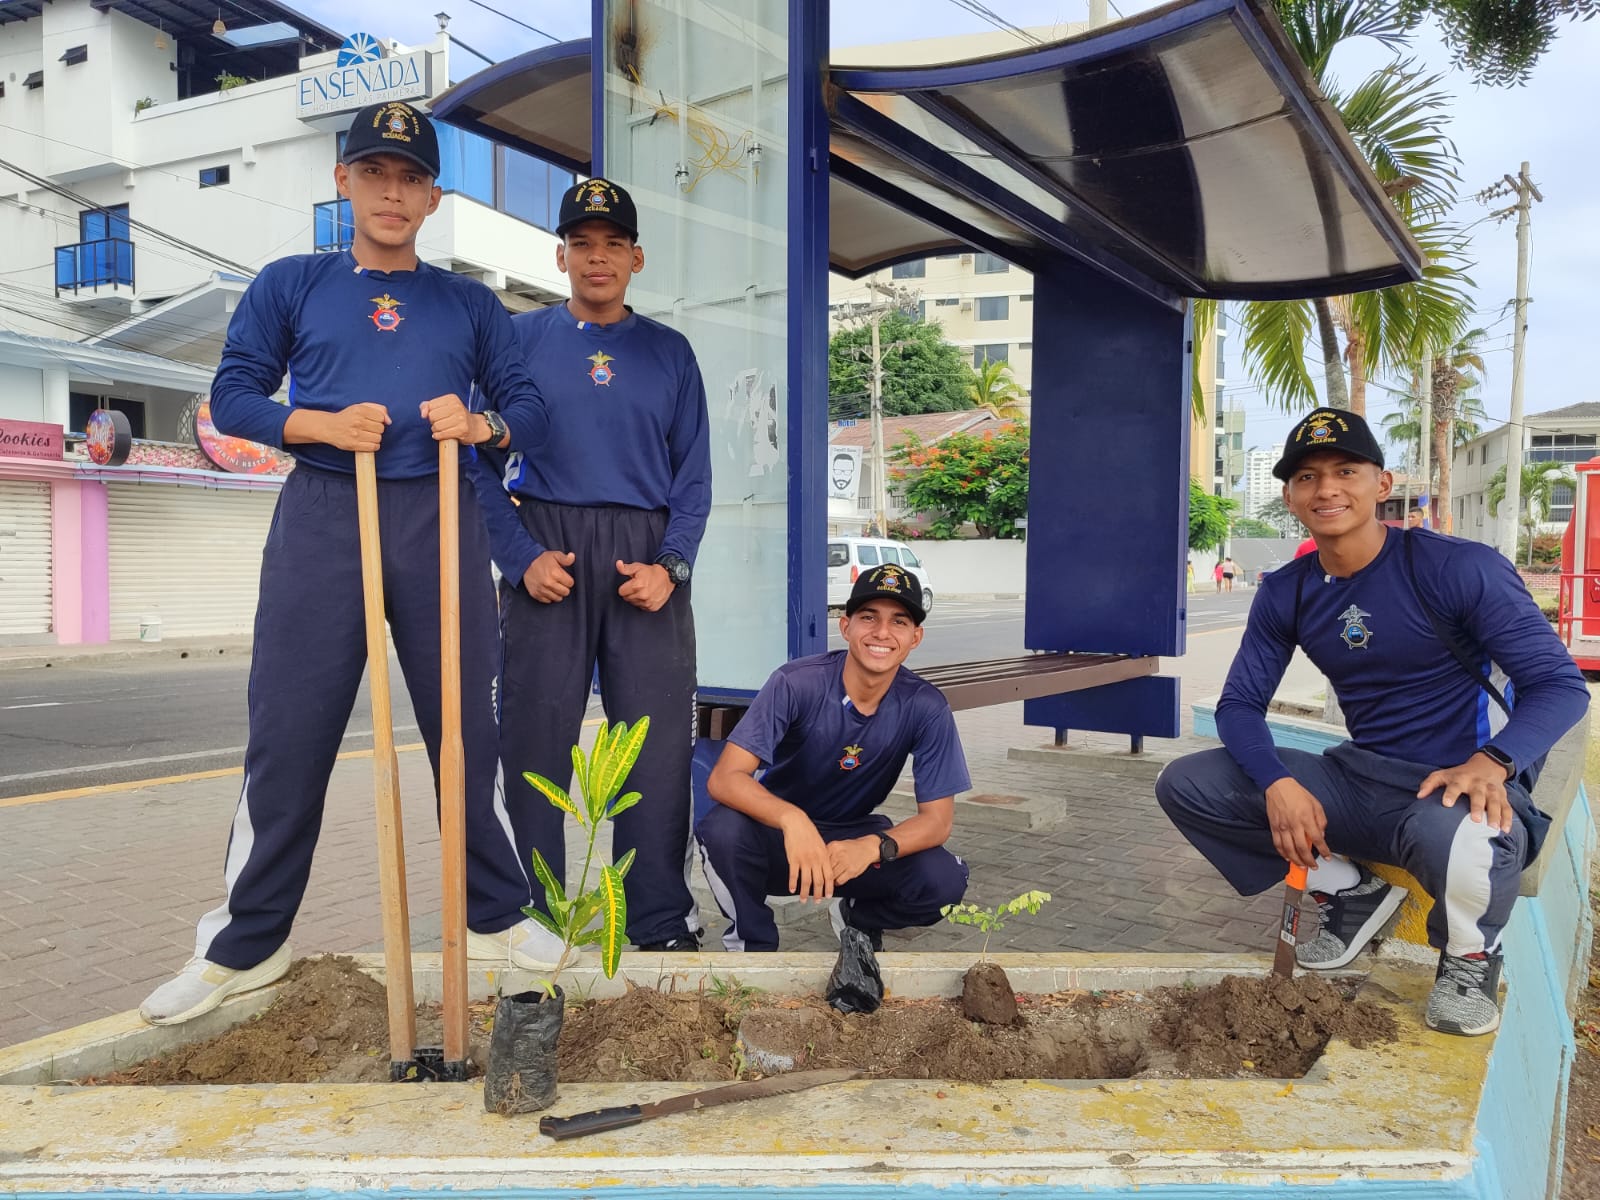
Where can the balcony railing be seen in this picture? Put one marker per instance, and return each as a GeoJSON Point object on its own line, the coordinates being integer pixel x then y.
{"type": "Point", "coordinates": [90, 266]}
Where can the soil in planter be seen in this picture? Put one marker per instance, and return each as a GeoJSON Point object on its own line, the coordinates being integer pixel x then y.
{"type": "Point", "coordinates": [328, 1024]}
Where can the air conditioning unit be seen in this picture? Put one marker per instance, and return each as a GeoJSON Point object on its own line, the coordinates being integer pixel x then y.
{"type": "Point", "coordinates": [966, 260]}
{"type": "Point", "coordinates": [966, 306]}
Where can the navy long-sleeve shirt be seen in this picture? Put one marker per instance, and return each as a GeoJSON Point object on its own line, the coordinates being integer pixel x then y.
{"type": "Point", "coordinates": [346, 335]}
{"type": "Point", "coordinates": [1403, 694]}
{"type": "Point", "coordinates": [628, 426]}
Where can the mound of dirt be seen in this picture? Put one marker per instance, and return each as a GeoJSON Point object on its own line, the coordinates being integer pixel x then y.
{"type": "Point", "coordinates": [1271, 1026]}
{"type": "Point", "coordinates": [329, 1024]}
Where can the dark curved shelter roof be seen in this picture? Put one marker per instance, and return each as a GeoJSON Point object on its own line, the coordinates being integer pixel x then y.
{"type": "Point", "coordinates": [1185, 151]}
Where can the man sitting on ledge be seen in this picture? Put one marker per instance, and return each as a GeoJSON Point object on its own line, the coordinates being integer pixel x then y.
{"type": "Point", "coordinates": [834, 731]}
{"type": "Point", "coordinates": [1416, 633]}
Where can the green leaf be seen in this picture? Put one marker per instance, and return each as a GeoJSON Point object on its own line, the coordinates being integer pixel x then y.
{"type": "Point", "coordinates": [589, 937]}
{"type": "Point", "coordinates": [623, 753]}
{"type": "Point", "coordinates": [554, 892]}
{"type": "Point", "coordinates": [554, 794]}
{"type": "Point", "coordinates": [584, 910]}
{"type": "Point", "coordinates": [538, 916]}
{"type": "Point", "coordinates": [623, 804]}
{"type": "Point", "coordinates": [580, 771]}
{"type": "Point", "coordinates": [614, 908]}
{"type": "Point", "coordinates": [625, 862]}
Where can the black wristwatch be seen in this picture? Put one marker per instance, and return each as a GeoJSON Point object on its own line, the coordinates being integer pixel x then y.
{"type": "Point", "coordinates": [1501, 757]}
{"type": "Point", "coordinates": [677, 568]}
{"type": "Point", "coordinates": [497, 428]}
{"type": "Point", "coordinates": [888, 848]}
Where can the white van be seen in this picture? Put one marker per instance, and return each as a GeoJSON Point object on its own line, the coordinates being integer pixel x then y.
{"type": "Point", "coordinates": [848, 557]}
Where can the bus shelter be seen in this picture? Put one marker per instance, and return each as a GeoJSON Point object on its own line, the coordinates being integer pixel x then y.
{"type": "Point", "coordinates": [1183, 153]}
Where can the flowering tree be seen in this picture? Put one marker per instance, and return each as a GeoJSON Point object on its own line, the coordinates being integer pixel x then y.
{"type": "Point", "coordinates": [967, 478]}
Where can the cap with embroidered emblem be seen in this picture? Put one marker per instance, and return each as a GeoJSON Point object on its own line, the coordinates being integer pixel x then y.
{"type": "Point", "coordinates": [1328, 429]}
{"type": "Point", "coordinates": [598, 200]}
{"type": "Point", "coordinates": [393, 128]}
{"type": "Point", "coordinates": [888, 582]}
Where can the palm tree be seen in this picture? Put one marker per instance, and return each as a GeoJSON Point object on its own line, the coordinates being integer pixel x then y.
{"type": "Point", "coordinates": [996, 391]}
{"type": "Point", "coordinates": [1539, 482]}
{"type": "Point", "coordinates": [1402, 428]}
{"type": "Point", "coordinates": [1457, 373]}
{"type": "Point", "coordinates": [1397, 116]}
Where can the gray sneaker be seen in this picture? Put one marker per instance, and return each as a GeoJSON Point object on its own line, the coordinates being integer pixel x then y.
{"type": "Point", "coordinates": [1466, 994]}
{"type": "Point", "coordinates": [202, 985]}
{"type": "Point", "coordinates": [1350, 919]}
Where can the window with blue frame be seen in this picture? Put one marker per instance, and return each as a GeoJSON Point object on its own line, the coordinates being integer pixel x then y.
{"type": "Point", "coordinates": [466, 164]}
{"type": "Point", "coordinates": [333, 226]}
{"type": "Point", "coordinates": [103, 255]}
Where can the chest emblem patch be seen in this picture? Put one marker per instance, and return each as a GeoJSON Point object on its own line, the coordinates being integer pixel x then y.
{"type": "Point", "coordinates": [1355, 633]}
{"type": "Point", "coordinates": [851, 759]}
{"type": "Point", "coordinates": [387, 315]}
{"type": "Point", "coordinates": [601, 371]}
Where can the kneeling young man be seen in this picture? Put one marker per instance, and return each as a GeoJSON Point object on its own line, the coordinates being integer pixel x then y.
{"type": "Point", "coordinates": [834, 731]}
{"type": "Point", "coordinates": [1407, 626]}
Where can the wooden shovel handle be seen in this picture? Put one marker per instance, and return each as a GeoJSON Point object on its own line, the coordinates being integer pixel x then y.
{"type": "Point", "coordinates": [452, 758]}
{"type": "Point", "coordinates": [385, 775]}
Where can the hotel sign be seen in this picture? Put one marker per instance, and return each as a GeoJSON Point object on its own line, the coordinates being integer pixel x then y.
{"type": "Point", "coordinates": [362, 75]}
{"type": "Point", "coordinates": [31, 439]}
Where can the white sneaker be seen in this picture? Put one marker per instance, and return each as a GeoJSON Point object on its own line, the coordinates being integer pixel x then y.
{"type": "Point", "coordinates": [527, 945]}
{"type": "Point", "coordinates": [202, 985]}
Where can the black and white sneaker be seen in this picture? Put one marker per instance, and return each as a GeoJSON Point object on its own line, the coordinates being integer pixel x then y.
{"type": "Point", "coordinates": [686, 943]}
{"type": "Point", "coordinates": [1466, 994]}
{"type": "Point", "coordinates": [1350, 919]}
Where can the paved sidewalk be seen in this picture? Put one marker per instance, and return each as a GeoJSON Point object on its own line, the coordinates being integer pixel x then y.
{"type": "Point", "coordinates": [99, 893]}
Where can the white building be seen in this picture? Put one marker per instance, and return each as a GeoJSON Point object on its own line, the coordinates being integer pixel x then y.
{"type": "Point", "coordinates": [1559, 435]}
{"type": "Point", "coordinates": [149, 166]}
{"type": "Point", "coordinates": [1261, 487]}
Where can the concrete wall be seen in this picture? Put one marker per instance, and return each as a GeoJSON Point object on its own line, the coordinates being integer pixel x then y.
{"type": "Point", "coordinates": [975, 568]}
{"type": "Point", "coordinates": [21, 393]}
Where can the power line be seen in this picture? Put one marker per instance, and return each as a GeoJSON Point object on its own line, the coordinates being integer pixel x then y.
{"type": "Point", "coordinates": [514, 21]}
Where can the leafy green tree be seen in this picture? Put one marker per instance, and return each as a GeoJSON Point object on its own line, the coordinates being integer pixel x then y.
{"type": "Point", "coordinates": [1249, 527]}
{"type": "Point", "coordinates": [1457, 374]}
{"type": "Point", "coordinates": [1276, 513]}
{"type": "Point", "coordinates": [1499, 41]}
{"type": "Point", "coordinates": [966, 478]}
{"type": "Point", "coordinates": [1209, 517]}
{"type": "Point", "coordinates": [1539, 482]}
{"type": "Point", "coordinates": [922, 372]}
{"type": "Point", "coordinates": [994, 389]}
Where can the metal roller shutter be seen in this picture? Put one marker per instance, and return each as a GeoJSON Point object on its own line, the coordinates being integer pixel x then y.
{"type": "Point", "coordinates": [191, 556]}
{"type": "Point", "coordinates": [25, 558]}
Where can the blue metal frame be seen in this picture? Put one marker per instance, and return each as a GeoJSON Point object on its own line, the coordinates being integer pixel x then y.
{"type": "Point", "coordinates": [894, 139]}
{"type": "Point", "coordinates": [597, 88]}
{"type": "Point", "coordinates": [808, 326]}
{"type": "Point", "coordinates": [458, 97]}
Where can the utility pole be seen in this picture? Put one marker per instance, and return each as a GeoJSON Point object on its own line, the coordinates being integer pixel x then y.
{"type": "Point", "coordinates": [1511, 508]}
{"type": "Point", "coordinates": [894, 300]}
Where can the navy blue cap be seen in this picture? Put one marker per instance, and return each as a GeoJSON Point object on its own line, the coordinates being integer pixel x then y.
{"type": "Point", "coordinates": [393, 128]}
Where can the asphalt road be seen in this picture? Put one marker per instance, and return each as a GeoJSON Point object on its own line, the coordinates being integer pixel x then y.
{"type": "Point", "coordinates": [78, 726]}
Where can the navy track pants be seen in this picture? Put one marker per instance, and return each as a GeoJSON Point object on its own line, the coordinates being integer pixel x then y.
{"type": "Point", "coordinates": [1471, 870]}
{"type": "Point", "coordinates": [647, 668]}
{"type": "Point", "coordinates": [744, 862]}
{"type": "Point", "coordinates": [306, 666]}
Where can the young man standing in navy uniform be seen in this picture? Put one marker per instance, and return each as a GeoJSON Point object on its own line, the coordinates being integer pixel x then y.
{"type": "Point", "coordinates": [833, 732]}
{"type": "Point", "coordinates": [1435, 777]}
{"type": "Point", "coordinates": [596, 557]}
{"type": "Point", "coordinates": [379, 347]}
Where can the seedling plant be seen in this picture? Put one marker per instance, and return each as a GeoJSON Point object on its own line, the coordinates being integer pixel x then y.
{"type": "Point", "coordinates": [991, 919]}
{"type": "Point", "coordinates": [596, 916]}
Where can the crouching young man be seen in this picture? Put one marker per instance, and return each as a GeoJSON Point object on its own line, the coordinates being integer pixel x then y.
{"type": "Point", "coordinates": [834, 731]}
{"type": "Point", "coordinates": [1407, 626]}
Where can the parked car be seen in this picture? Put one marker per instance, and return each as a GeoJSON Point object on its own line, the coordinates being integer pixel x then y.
{"type": "Point", "coordinates": [848, 557]}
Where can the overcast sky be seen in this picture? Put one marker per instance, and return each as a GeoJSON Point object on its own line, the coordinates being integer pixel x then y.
{"type": "Point", "coordinates": [1550, 123]}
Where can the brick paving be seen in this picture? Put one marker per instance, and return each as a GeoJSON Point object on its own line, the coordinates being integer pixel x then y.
{"type": "Point", "coordinates": [99, 894]}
